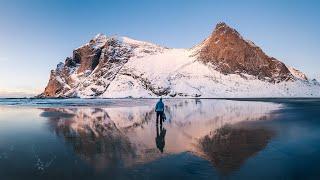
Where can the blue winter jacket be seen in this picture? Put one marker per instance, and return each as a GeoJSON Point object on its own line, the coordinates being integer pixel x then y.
{"type": "Point", "coordinates": [159, 106]}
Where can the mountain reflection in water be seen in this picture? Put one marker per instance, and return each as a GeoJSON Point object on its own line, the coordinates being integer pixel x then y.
{"type": "Point", "coordinates": [224, 132]}
{"type": "Point", "coordinates": [230, 145]}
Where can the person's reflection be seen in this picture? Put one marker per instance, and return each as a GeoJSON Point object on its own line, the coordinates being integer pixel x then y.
{"type": "Point", "coordinates": [160, 138]}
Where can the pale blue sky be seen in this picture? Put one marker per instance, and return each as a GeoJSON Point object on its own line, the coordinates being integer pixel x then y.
{"type": "Point", "coordinates": [37, 34]}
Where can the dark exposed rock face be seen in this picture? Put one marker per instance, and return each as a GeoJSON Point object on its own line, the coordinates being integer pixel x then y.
{"type": "Point", "coordinates": [231, 54]}
{"type": "Point", "coordinates": [87, 57]}
{"type": "Point", "coordinates": [54, 87]}
{"type": "Point", "coordinates": [98, 61]}
{"type": "Point", "coordinates": [58, 82]}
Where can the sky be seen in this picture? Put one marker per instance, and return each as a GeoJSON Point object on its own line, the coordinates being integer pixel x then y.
{"type": "Point", "coordinates": [35, 35]}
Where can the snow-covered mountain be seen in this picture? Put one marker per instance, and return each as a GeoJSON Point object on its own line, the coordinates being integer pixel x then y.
{"type": "Point", "coordinates": [223, 65]}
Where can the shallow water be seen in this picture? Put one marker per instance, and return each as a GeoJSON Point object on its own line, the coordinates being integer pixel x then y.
{"type": "Point", "coordinates": [119, 139]}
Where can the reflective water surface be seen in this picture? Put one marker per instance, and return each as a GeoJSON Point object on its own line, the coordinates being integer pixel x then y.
{"type": "Point", "coordinates": [120, 139]}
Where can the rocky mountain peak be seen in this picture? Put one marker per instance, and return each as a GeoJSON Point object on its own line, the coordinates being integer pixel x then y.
{"type": "Point", "coordinates": [100, 36]}
{"type": "Point", "coordinates": [222, 29]}
{"type": "Point", "coordinates": [99, 40]}
{"type": "Point", "coordinates": [229, 53]}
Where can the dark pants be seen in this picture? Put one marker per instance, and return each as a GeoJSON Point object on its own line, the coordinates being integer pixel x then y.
{"type": "Point", "coordinates": [159, 115]}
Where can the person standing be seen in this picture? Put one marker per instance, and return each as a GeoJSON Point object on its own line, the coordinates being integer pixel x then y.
{"type": "Point", "coordinates": [160, 111]}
